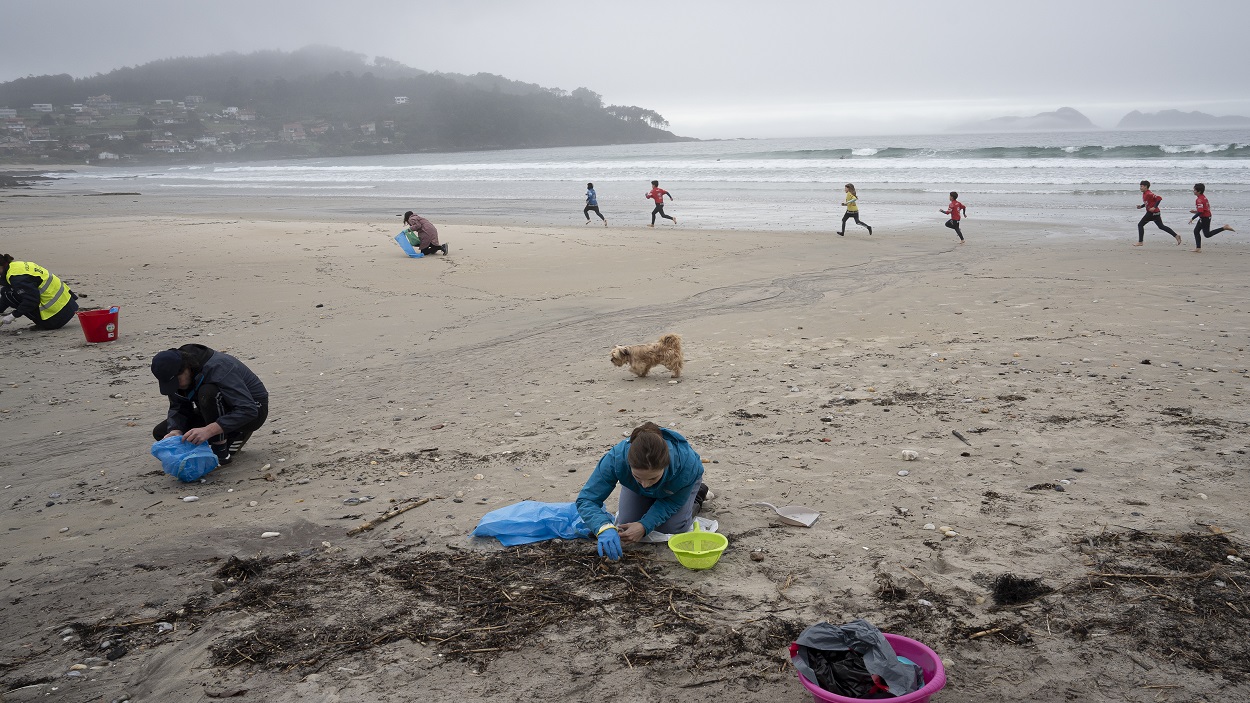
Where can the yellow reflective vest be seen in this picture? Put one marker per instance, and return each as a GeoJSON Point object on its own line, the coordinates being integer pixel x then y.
{"type": "Point", "coordinates": [53, 293]}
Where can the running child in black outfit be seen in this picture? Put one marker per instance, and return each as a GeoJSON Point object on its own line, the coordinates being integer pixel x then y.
{"type": "Point", "coordinates": [1202, 213]}
{"type": "Point", "coordinates": [956, 211]}
{"type": "Point", "coordinates": [1150, 201]}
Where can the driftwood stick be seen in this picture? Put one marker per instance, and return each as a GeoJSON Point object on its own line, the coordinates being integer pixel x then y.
{"type": "Point", "coordinates": [1204, 574]}
{"type": "Point", "coordinates": [390, 514]}
{"type": "Point", "coordinates": [913, 574]}
{"type": "Point", "coordinates": [983, 633]}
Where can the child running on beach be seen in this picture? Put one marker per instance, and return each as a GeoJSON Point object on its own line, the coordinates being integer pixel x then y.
{"type": "Point", "coordinates": [852, 210]}
{"type": "Point", "coordinates": [592, 203]}
{"type": "Point", "coordinates": [1202, 213]}
{"type": "Point", "coordinates": [657, 194]}
{"type": "Point", "coordinates": [1150, 201]}
{"type": "Point", "coordinates": [956, 212]}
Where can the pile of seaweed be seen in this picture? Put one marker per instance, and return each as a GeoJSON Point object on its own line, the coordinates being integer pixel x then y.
{"type": "Point", "coordinates": [474, 606]}
{"type": "Point", "coordinates": [1161, 597]}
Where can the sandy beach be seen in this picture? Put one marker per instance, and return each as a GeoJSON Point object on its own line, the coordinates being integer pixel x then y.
{"type": "Point", "coordinates": [1100, 389]}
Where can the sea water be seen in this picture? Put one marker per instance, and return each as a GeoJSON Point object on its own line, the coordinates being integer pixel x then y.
{"type": "Point", "coordinates": [1085, 180]}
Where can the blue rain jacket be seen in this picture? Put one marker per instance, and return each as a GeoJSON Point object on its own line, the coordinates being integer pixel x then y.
{"type": "Point", "coordinates": [683, 475]}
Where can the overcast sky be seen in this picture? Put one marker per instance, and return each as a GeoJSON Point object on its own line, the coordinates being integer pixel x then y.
{"type": "Point", "coordinates": [715, 68]}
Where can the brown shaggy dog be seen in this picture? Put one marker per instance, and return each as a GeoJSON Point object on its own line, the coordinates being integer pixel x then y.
{"type": "Point", "coordinates": [642, 357]}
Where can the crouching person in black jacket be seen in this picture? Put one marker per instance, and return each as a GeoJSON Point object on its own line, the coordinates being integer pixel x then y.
{"type": "Point", "coordinates": [213, 397]}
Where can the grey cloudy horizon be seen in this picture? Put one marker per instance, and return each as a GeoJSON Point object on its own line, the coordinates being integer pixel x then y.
{"type": "Point", "coordinates": [715, 69]}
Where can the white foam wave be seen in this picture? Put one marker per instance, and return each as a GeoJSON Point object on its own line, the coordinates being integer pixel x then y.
{"type": "Point", "coordinates": [1194, 148]}
{"type": "Point", "coordinates": [255, 186]}
{"type": "Point", "coordinates": [866, 151]}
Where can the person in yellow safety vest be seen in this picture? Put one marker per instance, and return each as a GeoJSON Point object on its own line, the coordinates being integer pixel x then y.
{"type": "Point", "coordinates": [34, 292]}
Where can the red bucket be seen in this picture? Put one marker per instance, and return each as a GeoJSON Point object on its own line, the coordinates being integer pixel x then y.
{"type": "Point", "coordinates": [99, 325]}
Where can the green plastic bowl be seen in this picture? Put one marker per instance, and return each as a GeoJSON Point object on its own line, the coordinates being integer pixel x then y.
{"type": "Point", "coordinates": [697, 549]}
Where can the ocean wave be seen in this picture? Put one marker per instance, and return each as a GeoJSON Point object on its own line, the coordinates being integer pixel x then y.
{"type": "Point", "coordinates": [258, 186]}
{"type": "Point", "coordinates": [1075, 152]}
{"type": "Point", "coordinates": [1199, 148]}
{"type": "Point", "coordinates": [1005, 191]}
{"type": "Point", "coordinates": [796, 154]}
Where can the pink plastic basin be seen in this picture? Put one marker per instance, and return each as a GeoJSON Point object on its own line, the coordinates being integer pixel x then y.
{"type": "Point", "coordinates": [927, 659]}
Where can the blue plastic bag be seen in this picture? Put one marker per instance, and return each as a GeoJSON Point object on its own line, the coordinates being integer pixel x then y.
{"type": "Point", "coordinates": [184, 461]}
{"type": "Point", "coordinates": [531, 521]}
{"type": "Point", "coordinates": [406, 245]}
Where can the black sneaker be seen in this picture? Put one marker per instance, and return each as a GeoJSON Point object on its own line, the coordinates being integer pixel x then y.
{"type": "Point", "coordinates": [444, 250]}
{"type": "Point", "coordinates": [223, 453]}
{"type": "Point", "coordinates": [869, 231]}
{"type": "Point", "coordinates": [700, 496]}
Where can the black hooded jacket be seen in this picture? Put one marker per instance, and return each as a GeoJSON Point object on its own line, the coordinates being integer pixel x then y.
{"type": "Point", "coordinates": [241, 391]}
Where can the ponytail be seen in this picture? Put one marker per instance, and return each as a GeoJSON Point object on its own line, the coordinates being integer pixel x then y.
{"type": "Point", "coordinates": [647, 448]}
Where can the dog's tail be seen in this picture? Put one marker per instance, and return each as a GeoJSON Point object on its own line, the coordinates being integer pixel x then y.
{"type": "Point", "coordinates": [671, 340]}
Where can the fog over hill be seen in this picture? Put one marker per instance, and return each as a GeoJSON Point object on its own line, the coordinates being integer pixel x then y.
{"type": "Point", "coordinates": [1175, 119]}
{"type": "Point", "coordinates": [339, 91]}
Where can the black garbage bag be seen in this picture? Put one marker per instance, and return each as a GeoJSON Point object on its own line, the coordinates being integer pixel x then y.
{"type": "Point", "coordinates": [843, 659]}
{"type": "Point", "coordinates": [844, 673]}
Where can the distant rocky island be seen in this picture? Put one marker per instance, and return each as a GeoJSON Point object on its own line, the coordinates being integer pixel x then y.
{"type": "Point", "coordinates": [1070, 119]}
{"type": "Point", "coordinates": [1063, 119]}
{"type": "Point", "coordinates": [1175, 119]}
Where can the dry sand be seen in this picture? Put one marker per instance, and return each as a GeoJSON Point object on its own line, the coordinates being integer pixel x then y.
{"type": "Point", "coordinates": [812, 362]}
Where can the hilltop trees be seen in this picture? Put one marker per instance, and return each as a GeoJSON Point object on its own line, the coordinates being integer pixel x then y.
{"type": "Point", "coordinates": [632, 113]}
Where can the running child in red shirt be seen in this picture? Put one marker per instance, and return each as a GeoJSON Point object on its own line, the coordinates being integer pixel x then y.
{"type": "Point", "coordinates": [657, 194]}
{"type": "Point", "coordinates": [1150, 201]}
{"type": "Point", "coordinates": [956, 211]}
{"type": "Point", "coordinates": [1202, 213]}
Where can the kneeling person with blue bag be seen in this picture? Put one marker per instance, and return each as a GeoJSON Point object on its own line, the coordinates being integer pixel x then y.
{"type": "Point", "coordinates": [661, 478]}
{"type": "Point", "coordinates": [422, 234]}
{"type": "Point", "coordinates": [213, 397]}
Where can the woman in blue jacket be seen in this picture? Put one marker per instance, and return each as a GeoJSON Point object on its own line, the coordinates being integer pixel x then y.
{"type": "Point", "coordinates": [661, 479]}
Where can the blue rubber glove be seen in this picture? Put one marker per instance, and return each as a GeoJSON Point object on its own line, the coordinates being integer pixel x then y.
{"type": "Point", "coordinates": [610, 544]}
